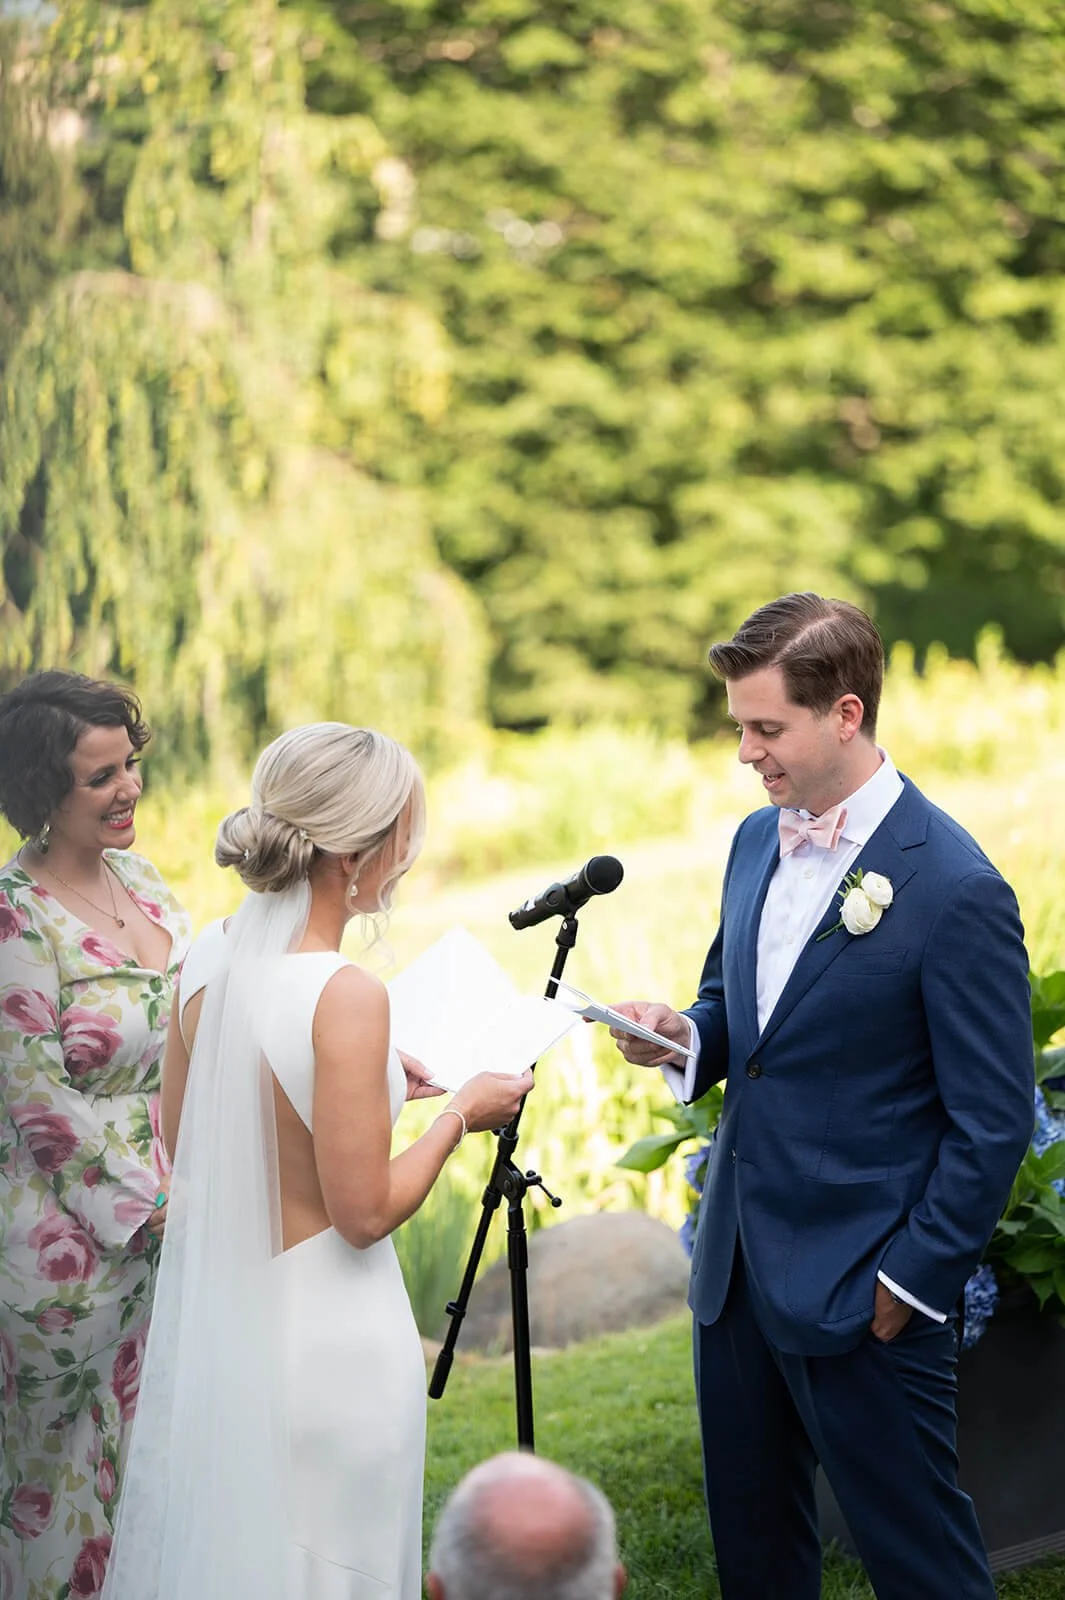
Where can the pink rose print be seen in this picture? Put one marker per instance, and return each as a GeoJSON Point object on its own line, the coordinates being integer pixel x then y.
{"type": "Point", "coordinates": [91, 1176]}
{"type": "Point", "coordinates": [65, 1252]}
{"type": "Point", "coordinates": [90, 1567]}
{"type": "Point", "coordinates": [136, 1206]}
{"type": "Point", "coordinates": [99, 949]}
{"type": "Point", "coordinates": [126, 1372]}
{"type": "Point", "coordinates": [8, 1369]}
{"type": "Point", "coordinates": [13, 920]}
{"type": "Point", "coordinates": [56, 1319]}
{"type": "Point", "coordinates": [151, 908]}
{"type": "Point", "coordinates": [89, 1040]}
{"type": "Point", "coordinates": [32, 1509]}
{"type": "Point", "coordinates": [30, 1010]}
{"type": "Point", "coordinates": [106, 1481]}
{"type": "Point", "coordinates": [51, 1138]}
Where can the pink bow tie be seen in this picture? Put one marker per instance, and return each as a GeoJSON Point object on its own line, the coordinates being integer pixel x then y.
{"type": "Point", "coordinates": [824, 830]}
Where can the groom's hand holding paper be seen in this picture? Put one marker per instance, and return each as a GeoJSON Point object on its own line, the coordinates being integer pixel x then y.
{"type": "Point", "coordinates": [458, 1013]}
{"type": "Point", "coordinates": [650, 1034]}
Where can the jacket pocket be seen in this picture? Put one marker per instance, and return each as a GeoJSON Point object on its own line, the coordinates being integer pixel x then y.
{"type": "Point", "coordinates": [874, 963]}
{"type": "Point", "coordinates": [838, 1234]}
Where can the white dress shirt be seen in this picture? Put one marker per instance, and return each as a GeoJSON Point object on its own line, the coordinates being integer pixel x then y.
{"type": "Point", "coordinates": [800, 892]}
{"type": "Point", "coordinates": [802, 887]}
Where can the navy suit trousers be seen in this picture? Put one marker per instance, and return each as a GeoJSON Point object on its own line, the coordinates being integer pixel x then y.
{"type": "Point", "coordinates": [880, 1418]}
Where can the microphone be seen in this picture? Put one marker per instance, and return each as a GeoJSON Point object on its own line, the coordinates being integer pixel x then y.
{"type": "Point", "coordinates": [600, 875]}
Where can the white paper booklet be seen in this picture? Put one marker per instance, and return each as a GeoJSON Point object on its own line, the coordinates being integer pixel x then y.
{"type": "Point", "coordinates": [592, 1011]}
{"type": "Point", "coordinates": [458, 1012]}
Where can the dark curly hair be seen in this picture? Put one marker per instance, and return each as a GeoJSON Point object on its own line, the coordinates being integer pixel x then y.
{"type": "Point", "coordinates": [41, 720]}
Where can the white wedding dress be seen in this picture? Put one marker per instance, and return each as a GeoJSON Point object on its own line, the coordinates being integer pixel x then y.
{"type": "Point", "coordinates": [341, 1467]}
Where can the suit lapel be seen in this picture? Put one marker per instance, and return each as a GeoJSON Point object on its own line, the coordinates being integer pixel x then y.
{"type": "Point", "coordinates": [890, 852]}
{"type": "Point", "coordinates": [745, 914]}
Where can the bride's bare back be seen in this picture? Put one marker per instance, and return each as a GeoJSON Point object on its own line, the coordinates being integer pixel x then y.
{"type": "Point", "coordinates": [303, 1210]}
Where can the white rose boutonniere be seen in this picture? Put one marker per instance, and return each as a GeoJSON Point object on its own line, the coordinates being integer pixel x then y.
{"type": "Point", "coordinates": [864, 897]}
{"type": "Point", "coordinates": [876, 888]}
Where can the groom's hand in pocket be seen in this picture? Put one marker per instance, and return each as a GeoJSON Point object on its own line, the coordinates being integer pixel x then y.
{"type": "Point", "coordinates": [890, 1316]}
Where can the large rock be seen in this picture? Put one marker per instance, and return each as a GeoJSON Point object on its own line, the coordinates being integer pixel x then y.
{"type": "Point", "coordinates": [588, 1275]}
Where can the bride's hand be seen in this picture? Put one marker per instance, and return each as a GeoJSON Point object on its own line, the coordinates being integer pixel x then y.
{"type": "Point", "coordinates": [490, 1099]}
{"type": "Point", "coordinates": [419, 1086]}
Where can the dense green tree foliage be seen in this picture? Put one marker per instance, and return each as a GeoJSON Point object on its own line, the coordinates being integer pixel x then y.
{"type": "Point", "coordinates": [396, 357]}
{"type": "Point", "coordinates": [743, 294]}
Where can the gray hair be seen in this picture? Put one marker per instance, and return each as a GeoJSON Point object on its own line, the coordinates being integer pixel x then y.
{"type": "Point", "coordinates": [475, 1557]}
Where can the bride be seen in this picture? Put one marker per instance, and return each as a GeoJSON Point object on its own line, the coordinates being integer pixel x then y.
{"type": "Point", "coordinates": [278, 1446]}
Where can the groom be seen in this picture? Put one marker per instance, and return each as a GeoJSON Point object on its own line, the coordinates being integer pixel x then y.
{"type": "Point", "coordinates": [877, 1047]}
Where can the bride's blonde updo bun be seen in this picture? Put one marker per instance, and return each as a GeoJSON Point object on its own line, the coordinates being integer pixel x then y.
{"type": "Point", "coordinates": [268, 853]}
{"type": "Point", "coordinates": [324, 787]}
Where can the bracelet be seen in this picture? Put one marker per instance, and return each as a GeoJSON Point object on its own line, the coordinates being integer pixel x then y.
{"type": "Point", "coordinates": [454, 1112]}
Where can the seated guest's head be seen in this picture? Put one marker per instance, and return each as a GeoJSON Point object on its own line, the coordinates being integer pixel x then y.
{"type": "Point", "coordinates": [520, 1528]}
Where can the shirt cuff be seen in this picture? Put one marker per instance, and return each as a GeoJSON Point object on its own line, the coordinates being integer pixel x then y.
{"type": "Point", "coordinates": [680, 1076]}
{"type": "Point", "coordinates": [902, 1294]}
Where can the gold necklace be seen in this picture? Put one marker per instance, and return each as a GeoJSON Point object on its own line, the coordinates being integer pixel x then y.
{"type": "Point", "coordinates": [113, 913]}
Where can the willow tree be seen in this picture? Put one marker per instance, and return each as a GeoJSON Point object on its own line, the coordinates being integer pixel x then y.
{"type": "Point", "coordinates": [196, 492]}
{"type": "Point", "coordinates": [38, 199]}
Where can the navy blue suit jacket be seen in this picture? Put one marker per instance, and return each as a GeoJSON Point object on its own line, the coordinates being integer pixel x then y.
{"type": "Point", "coordinates": [878, 1119]}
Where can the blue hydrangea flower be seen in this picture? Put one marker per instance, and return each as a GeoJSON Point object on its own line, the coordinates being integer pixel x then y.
{"type": "Point", "coordinates": [695, 1167]}
{"type": "Point", "coordinates": [981, 1298]}
{"type": "Point", "coordinates": [1049, 1128]}
{"type": "Point", "coordinates": [695, 1172]}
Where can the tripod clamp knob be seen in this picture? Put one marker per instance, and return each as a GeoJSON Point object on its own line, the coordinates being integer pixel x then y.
{"type": "Point", "coordinates": [533, 1180]}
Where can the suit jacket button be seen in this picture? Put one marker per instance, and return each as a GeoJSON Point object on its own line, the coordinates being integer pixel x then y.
{"type": "Point", "coordinates": [732, 1153]}
{"type": "Point", "coordinates": [754, 1070]}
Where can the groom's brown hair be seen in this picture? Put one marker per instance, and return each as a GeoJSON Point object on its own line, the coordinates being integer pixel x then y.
{"type": "Point", "coordinates": [824, 648]}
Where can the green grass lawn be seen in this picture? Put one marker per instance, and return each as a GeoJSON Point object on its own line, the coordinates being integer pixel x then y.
{"type": "Point", "coordinates": [621, 1411]}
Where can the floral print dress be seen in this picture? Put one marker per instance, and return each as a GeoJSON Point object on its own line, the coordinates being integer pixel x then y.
{"type": "Point", "coordinates": [82, 1030]}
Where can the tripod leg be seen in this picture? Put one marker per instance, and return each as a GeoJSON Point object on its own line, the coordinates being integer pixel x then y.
{"type": "Point", "coordinates": [456, 1309]}
{"type": "Point", "coordinates": [518, 1264]}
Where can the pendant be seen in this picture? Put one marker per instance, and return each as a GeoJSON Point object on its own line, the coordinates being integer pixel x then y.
{"type": "Point", "coordinates": [120, 922]}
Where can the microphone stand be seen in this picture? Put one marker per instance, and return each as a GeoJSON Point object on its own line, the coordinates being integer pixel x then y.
{"type": "Point", "coordinates": [508, 1182]}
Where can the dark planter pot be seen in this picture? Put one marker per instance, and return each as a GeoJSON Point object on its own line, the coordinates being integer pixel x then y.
{"type": "Point", "coordinates": [1011, 1438]}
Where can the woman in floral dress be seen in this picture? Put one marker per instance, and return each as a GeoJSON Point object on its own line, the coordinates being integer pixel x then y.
{"type": "Point", "coordinates": [90, 943]}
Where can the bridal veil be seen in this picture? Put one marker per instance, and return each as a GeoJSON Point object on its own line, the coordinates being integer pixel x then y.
{"type": "Point", "coordinates": [203, 1497]}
